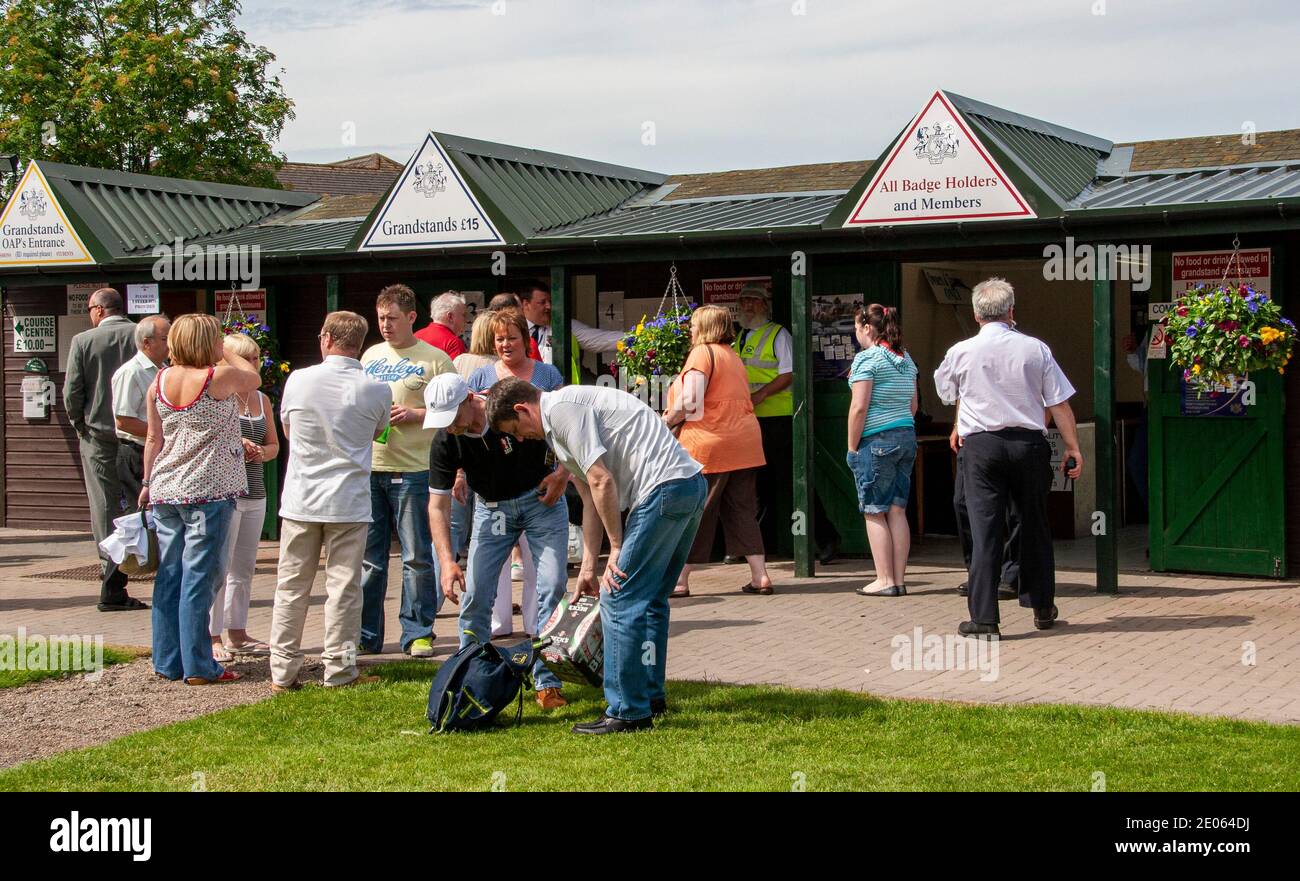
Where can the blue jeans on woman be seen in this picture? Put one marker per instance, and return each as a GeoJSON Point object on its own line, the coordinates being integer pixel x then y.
{"type": "Point", "coordinates": [497, 527]}
{"type": "Point", "coordinates": [191, 558]}
{"type": "Point", "coordinates": [404, 497]}
{"type": "Point", "coordinates": [656, 541]}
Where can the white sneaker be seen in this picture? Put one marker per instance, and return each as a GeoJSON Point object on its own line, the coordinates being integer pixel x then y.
{"type": "Point", "coordinates": [516, 572]}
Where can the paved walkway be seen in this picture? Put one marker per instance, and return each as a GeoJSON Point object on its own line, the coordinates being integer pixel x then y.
{"type": "Point", "coordinates": [1212, 646]}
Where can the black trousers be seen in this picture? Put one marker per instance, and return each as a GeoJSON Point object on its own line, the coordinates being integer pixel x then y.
{"type": "Point", "coordinates": [776, 489]}
{"type": "Point", "coordinates": [1008, 467]}
{"type": "Point", "coordinates": [1010, 551]}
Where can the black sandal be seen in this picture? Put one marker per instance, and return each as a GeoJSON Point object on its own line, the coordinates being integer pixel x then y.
{"type": "Point", "coordinates": [749, 588]}
{"type": "Point", "coordinates": [129, 604]}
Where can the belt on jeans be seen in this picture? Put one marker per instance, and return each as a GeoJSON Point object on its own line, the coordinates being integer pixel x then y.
{"type": "Point", "coordinates": [1012, 433]}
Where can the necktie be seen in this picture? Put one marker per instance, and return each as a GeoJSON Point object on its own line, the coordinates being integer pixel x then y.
{"type": "Point", "coordinates": [537, 334]}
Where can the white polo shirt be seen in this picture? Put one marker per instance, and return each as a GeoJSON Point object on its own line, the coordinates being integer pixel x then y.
{"type": "Point", "coordinates": [586, 422]}
{"type": "Point", "coordinates": [130, 385]}
{"type": "Point", "coordinates": [332, 412]}
{"type": "Point", "coordinates": [1003, 378]}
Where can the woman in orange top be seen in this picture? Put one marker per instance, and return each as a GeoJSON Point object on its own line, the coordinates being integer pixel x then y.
{"type": "Point", "coordinates": [710, 403]}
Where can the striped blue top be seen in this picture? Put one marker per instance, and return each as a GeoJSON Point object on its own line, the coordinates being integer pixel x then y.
{"type": "Point", "coordinates": [893, 382]}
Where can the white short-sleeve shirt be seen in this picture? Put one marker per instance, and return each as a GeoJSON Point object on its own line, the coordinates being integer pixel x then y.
{"type": "Point", "coordinates": [332, 411]}
{"type": "Point", "coordinates": [584, 423]}
{"type": "Point", "coordinates": [1003, 378]}
{"type": "Point", "coordinates": [130, 386]}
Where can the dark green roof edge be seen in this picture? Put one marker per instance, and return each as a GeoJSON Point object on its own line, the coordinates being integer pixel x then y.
{"type": "Point", "coordinates": [545, 159]}
{"type": "Point", "coordinates": [1042, 126]}
{"type": "Point", "coordinates": [111, 177]}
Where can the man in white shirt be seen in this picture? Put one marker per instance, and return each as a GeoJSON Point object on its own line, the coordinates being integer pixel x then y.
{"type": "Point", "coordinates": [622, 458]}
{"type": "Point", "coordinates": [536, 304]}
{"type": "Point", "coordinates": [331, 415]}
{"type": "Point", "coordinates": [1007, 382]}
{"type": "Point", "coordinates": [131, 384]}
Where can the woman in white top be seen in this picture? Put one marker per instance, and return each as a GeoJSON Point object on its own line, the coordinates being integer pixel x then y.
{"type": "Point", "coordinates": [481, 347]}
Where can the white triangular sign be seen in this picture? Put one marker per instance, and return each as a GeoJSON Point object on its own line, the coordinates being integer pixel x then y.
{"type": "Point", "coordinates": [938, 172]}
{"type": "Point", "coordinates": [34, 230]}
{"type": "Point", "coordinates": [431, 207]}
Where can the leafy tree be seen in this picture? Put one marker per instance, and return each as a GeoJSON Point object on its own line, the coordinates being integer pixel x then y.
{"type": "Point", "coordinates": [161, 86]}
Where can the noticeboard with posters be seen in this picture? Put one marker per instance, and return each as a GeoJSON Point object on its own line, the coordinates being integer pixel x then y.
{"type": "Point", "coordinates": [834, 343]}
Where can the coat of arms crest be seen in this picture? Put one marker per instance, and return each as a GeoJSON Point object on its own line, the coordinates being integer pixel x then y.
{"type": "Point", "coordinates": [429, 179]}
{"type": "Point", "coordinates": [32, 204]}
{"type": "Point", "coordinates": [936, 143]}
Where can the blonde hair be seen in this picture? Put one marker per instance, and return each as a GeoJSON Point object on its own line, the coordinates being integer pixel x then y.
{"type": "Point", "coordinates": [348, 330]}
{"type": "Point", "coordinates": [482, 338]}
{"type": "Point", "coordinates": [243, 345]}
{"type": "Point", "coordinates": [193, 340]}
{"type": "Point", "coordinates": [711, 324]}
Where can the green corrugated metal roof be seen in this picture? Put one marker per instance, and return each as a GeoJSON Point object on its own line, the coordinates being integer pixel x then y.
{"type": "Point", "coordinates": [703, 216]}
{"type": "Point", "coordinates": [536, 190]}
{"type": "Point", "coordinates": [292, 237]}
{"type": "Point", "coordinates": [1230, 184]}
{"type": "Point", "coordinates": [131, 213]}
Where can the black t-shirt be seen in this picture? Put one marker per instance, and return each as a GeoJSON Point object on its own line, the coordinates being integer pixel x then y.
{"type": "Point", "coordinates": [497, 466]}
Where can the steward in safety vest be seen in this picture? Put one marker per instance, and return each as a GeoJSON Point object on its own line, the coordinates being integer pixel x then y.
{"type": "Point", "coordinates": [763, 345]}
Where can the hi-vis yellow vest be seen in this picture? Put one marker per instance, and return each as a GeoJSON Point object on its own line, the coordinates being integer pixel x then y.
{"type": "Point", "coordinates": [759, 356]}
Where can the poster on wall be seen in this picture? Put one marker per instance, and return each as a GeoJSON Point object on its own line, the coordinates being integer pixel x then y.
{"type": "Point", "coordinates": [35, 334]}
{"type": "Point", "coordinates": [1252, 266]}
{"type": "Point", "coordinates": [609, 310]}
{"type": "Point", "coordinates": [143, 299]}
{"type": "Point", "coordinates": [948, 288]}
{"type": "Point", "coordinates": [250, 303]}
{"type": "Point", "coordinates": [79, 296]}
{"type": "Point", "coordinates": [725, 291]}
{"type": "Point", "coordinates": [1222, 401]}
{"type": "Point", "coordinates": [833, 342]}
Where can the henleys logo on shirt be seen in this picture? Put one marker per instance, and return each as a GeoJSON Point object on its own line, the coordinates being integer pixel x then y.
{"type": "Point", "coordinates": [383, 370]}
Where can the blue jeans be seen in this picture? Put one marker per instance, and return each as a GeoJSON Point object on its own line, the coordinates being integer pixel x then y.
{"type": "Point", "coordinates": [497, 527]}
{"type": "Point", "coordinates": [882, 469]}
{"type": "Point", "coordinates": [191, 557]}
{"type": "Point", "coordinates": [656, 541]}
{"type": "Point", "coordinates": [404, 497]}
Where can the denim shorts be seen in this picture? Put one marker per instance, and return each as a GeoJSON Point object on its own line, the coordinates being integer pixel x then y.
{"type": "Point", "coordinates": [882, 469]}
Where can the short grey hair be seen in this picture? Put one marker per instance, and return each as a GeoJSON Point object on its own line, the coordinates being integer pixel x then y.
{"type": "Point", "coordinates": [445, 304]}
{"type": "Point", "coordinates": [993, 299]}
{"type": "Point", "coordinates": [147, 329]}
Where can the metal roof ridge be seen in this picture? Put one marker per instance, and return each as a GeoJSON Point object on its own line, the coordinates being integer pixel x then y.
{"type": "Point", "coordinates": [546, 159]}
{"type": "Point", "coordinates": [739, 197]}
{"type": "Point", "coordinates": [1042, 126]}
{"type": "Point", "coordinates": [182, 186]}
{"type": "Point", "coordinates": [1199, 169]}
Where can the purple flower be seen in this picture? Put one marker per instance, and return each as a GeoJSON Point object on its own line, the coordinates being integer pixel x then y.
{"type": "Point", "coordinates": [1191, 333]}
{"type": "Point", "coordinates": [1252, 305]}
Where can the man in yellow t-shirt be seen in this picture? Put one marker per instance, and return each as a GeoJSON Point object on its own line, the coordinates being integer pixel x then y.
{"type": "Point", "coordinates": [399, 481]}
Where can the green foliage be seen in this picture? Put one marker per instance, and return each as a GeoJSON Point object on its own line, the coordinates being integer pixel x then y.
{"type": "Point", "coordinates": [274, 369]}
{"type": "Point", "coordinates": [657, 347]}
{"type": "Point", "coordinates": [372, 738]}
{"type": "Point", "coordinates": [1227, 331]}
{"type": "Point", "coordinates": [159, 86]}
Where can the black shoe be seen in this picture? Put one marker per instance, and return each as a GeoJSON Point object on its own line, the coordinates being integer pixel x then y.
{"type": "Point", "coordinates": [1044, 619]}
{"type": "Point", "coordinates": [970, 628]}
{"type": "Point", "coordinates": [609, 725]}
{"type": "Point", "coordinates": [729, 560]}
{"type": "Point", "coordinates": [896, 590]}
{"type": "Point", "coordinates": [963, 590]}
{"type": "Point", "coordinates": [1007, 592]}
{"type": "Point", "coordinates": [827, 554]}
{"type": "Point", "coordinates": [658, 708]}
{"type": "Point", "coordinates": [122, 604]}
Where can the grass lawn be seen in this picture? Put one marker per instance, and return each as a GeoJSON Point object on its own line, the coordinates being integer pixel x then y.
{"type": "Point", "coordinates": [112, 655]}
{"type": "Point", "coordinates": [715, 737]}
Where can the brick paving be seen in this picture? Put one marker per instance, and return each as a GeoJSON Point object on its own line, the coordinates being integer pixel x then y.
{"type": "Point", "coordinates": [1166, 642]}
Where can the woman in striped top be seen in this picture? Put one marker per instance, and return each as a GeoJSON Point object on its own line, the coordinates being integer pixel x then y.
{"type": "Point", "coordinates": [882, 442]}
{"type": "Point", "coordinates": [234, 588]}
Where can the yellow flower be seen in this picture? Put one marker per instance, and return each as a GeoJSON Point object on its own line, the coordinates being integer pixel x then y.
{"type": "Point", "coordinates": [1270, 334]}
{"type": "Point", "coordinates": [621, 347]}
{"type": "Point", "coordinates": [1196, 368]}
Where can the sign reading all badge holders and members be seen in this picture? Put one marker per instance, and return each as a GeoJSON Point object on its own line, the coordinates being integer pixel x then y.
{"type": "Point", "coordinates": [430, 207]}
{"type": "Point", "coordinates": [938, 172]}
{"type": "Point", "coordinates": [35, 334]}
{"type": "Point", "coordinates": [34, 229]}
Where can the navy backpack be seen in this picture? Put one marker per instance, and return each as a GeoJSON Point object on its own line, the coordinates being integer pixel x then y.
{"type": "Point", "coordinates": [474, 685]}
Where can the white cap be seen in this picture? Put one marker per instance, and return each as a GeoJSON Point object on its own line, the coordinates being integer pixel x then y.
{"type": "Point", "coordinates": [443, 396]}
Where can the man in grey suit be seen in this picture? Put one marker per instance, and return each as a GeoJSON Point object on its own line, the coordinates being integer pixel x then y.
{"type": "Point", "coordinates": [94, 357]}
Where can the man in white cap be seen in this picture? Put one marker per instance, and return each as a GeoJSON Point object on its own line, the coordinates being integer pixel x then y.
{"type": "Point", "coordinates": [518, 492]}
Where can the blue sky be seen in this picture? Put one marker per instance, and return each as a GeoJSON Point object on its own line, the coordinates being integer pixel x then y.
{"type": "Point", "coordinates": [751, 83]}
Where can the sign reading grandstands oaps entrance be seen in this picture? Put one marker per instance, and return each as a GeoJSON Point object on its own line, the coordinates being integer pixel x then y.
{"type": "Point", "coordinates": [430, 207]}
{"type": "Point", "coordinates": [34, 229]}
{"type": "Point", "coordinates": [938, 172]}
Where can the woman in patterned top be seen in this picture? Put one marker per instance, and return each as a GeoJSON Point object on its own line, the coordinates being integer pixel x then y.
{"type": "Point", "coordinates": [234, 588]}
{"type": "Point", "coordinates": [882, 443]}
{"type": "Point", "coordinates": [193, 472]}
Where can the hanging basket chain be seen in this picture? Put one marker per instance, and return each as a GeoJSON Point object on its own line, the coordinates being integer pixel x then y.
{"type": "Point", "coordinates": [674, 289]}
{"type": "Point", "coordinates": [231, 305]}
{"type": "Point", "coordinates": [1233, 258]}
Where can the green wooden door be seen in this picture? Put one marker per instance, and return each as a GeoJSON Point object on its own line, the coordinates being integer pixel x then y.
{"type": "Point", "coordinates": [878, 283]}
{"type": "Point", "coordinates": [1217, 500]}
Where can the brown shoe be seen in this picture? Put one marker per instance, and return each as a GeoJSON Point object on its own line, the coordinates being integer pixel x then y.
{"type": "Point", "coordinates": [284, 689]}
{"type": "Point", "coordinates": [551, 699]}
{"type": "Point", "coordinates": [364, 679]}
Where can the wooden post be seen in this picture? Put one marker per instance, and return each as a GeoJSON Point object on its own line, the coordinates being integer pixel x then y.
{"type": "Point", "coordinates": [561, 313]}
{"type": "Point", "coordinates": [805, 551]}
{"type": "Point", "coordinates": [332, 292]}
{"type": "Point", "coordinates": [1103, 379]}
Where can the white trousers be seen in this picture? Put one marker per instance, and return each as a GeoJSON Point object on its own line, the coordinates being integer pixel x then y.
{"type": "Point", "coordinates": [503, 618]}
{"type": "Point", "coordinates": [235, 589]}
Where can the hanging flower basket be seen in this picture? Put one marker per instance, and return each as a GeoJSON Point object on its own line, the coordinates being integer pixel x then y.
{"type": "Point", "coordinates": [1219, 334]}
{"type": "Point", "coordinates": [659, 347]}
{"type": "Point", "coordinates": [274, 371]}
